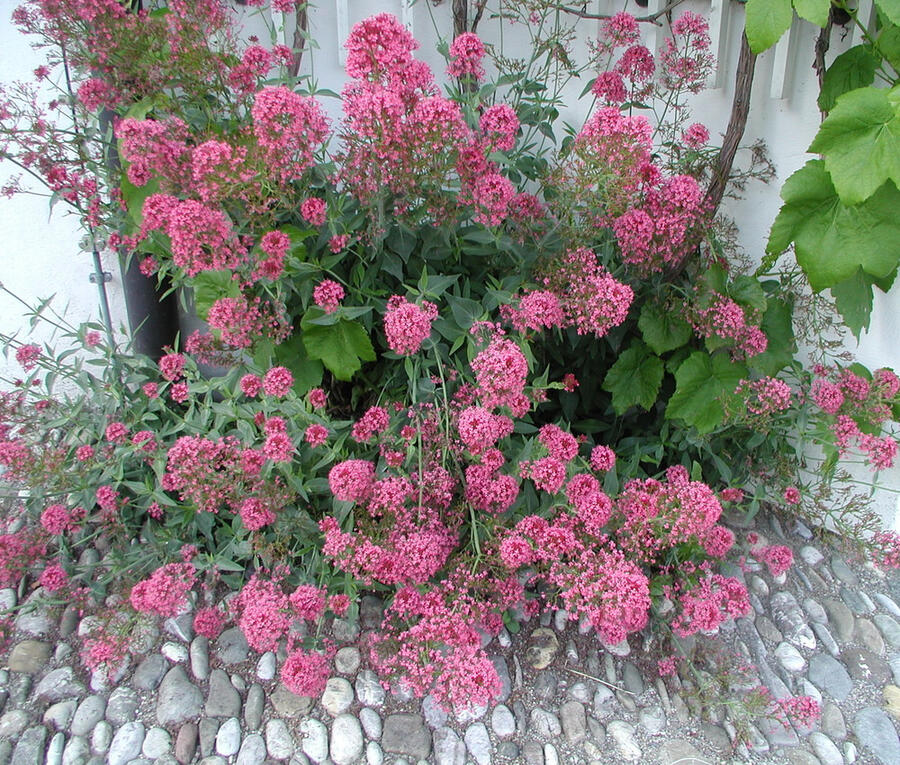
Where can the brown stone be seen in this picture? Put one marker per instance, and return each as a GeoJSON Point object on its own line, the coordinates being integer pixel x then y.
{"type": "Point", "coordinates": [29, 656]}
{"type": "Point", "coordinates": [186, 743]}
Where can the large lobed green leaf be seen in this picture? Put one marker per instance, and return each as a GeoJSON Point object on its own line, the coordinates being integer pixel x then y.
{"type": "Point", "coordinates": [661, 329]}
{"type": "Point", "coordinates": [766, 21]}
{"type": "Point", "coordinates": [891, 9]}
{"type": "Point", "coordinates": [816, 11]}
{"type": "Point", "coordinates": [341, 347]}
{"type": "Point", "coordinates": [702, 384]}
{"type": "Point", "coordinates": [854, 68]}
{"type": "Point", "coordinates": [860, 140]}
{"type": "Point", "coordinates": [831, 239]}
{"type": "Point", "coordinates": [634, 378]}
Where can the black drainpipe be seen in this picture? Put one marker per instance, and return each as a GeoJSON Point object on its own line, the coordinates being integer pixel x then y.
{"type": "Point", "coordinates": [152, 310]}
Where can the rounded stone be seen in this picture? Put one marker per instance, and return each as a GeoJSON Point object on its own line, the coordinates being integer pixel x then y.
{"type": "Point", "coordinates": [253, 707]}
{"type": "Point", "coordinates": [545, 724]}
{"type": "Point", "coordinates": [157, 742]}
{"type": "Point", "coordinates": [122, 705]}
{"type": "Point", "coordinates": [825, 749]}
{"type": "Point", "coordinates": [28, 656]}
{"type": "Point", "coordinates": [368, 689]}
{"type": "Point", "coordinates": [59, 715]}
{"type": "Point", "coordinates": [199, 654]}
{"type": "Point", "coordinates": [374, 755]}
{"type": "Point", "coordinates": [266, 666]}
{"type": "Point", "coordinates": [126, 744]}
{"type": "Point", "coordinates": [179, 699]}
{"type": "Point", "coordinates": [338, 696]}
{"type": "Point", "coordinates": [503, 722]}
{"type": "Point", "coordinates": [175, 652]}
{"type": "Point", "coordinates": [478, 742]}
{"type": "Point", "coordinates": [623, 734]}
{"type": "Point", "coordinates": [252, 751]}
{"type": "Point", "coordinates": [228, 739]}
{"type": "Point", "coordinates": [346, 740]}
{"type": "Point", "coordinates": [279, 742]}
{"type": "Point", "coordinates": [653, 719]}
{"type": "Point", "coordinates": [542, 649]}
{"type": "Point", "coordinates": [314, 740]}
{"type": "Point", "coordinates": [789, 657]}
{"type": "Point", "coordinates": [101, 737]}
{"type": "Point", "coordinates": [371, 723]}
{"type": "Point", "coordinates": [346, 660]}
{"type": "Point", "coordinates": [150, 672]}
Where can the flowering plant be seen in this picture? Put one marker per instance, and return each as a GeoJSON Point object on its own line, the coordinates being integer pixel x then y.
{"type": "Point", "coordinates": [473, 369]}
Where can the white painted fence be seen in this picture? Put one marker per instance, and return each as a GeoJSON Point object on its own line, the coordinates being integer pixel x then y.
{"type": "Point", "coordinates": [41, 256]}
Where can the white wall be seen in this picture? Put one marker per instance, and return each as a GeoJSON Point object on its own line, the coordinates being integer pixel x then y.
{"type": "Point", "coordinates": [42, 257]}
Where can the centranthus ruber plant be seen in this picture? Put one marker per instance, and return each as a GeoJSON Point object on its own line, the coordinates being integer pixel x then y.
{"type": "Point", "coordinates": [478, 370]}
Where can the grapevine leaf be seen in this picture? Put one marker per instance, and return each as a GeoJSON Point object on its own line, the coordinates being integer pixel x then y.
{"type": "Point", "coordinates": [854, 68]}
{"type": "Point", "coordinates": [891, 9]}
{"type": "Point", "coordinates": [766, 21]}
{"type": "Point", "coordinates": [815, 11]}
{"type": "Point", "coordinates": [634, 379]}
{"type": "Point", "coordinates": [209, 286]}
{"type": "Point", "coordinates": [853, 299]}
{"type": "Point", "coordinates": [831, 239]}
{"type": "Point", "coordinates": [702, 383]}
{"type": "Point", "coordinates": [663, 330]}
{"type": "Point", "coordinates": [341, 347]}
{"type": "Point", "coordinates": [860, 140]}
{"type": "Point", "coordinates": [778, 327]}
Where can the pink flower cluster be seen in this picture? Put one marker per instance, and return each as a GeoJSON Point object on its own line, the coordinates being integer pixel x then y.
{"type": "Point", "coordinates": [165, 592]}
{"type": "Point", "coordinates": [859, 407]}
{"type": "Point", "coordinates": [765, 396]}
{"type": "Point", "coordinates": [407, 325]}
{"type": "Point", "coordinates": [466, 55]}
{"type": "Point", "coordinates": [777, 558]}
{"type": "Point", "coordinates": [480, 430]}
{"type": "Point", "coordinates": [501, 371]}
{"type": "Point", "coordinates": [726, 320]}
{"type": "Point", "coordinates": [713, 600]}
{"type": "Point", "coordinates": [328, 295]}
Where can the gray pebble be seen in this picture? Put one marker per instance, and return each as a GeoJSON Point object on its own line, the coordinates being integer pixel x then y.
{"type": "Point", "coordinates": [573, 719]}
{"type": "Point", "coordinates": [228, 739]}
{"type": "Point", "coordinates": [279, 742]}
{"type": "Point", "coordinates": [175, 652]}
{"type": "Point", "coordinates": [266, 666]}
{"type": "Point", "coordinates": [545, 724]}
{"type": "Point", "coordinates": [889, 628]}
{"type": "Point", "coordinates": [623, 734]}
{"type": "Point", "coordinates": [252, 751]}
{"type": "Point", "coordinates": [346, 660]}
{"type": "Point", "coordinates": [223, 700]}
{"type": "Point", "coordinates": [338, 696]}
{"type": "Point", "coordinates": [478, 742]}
{"type": "Point", "coordinates": [448, 747]}
{"type": "Point", "coordinates": [157, 742]}
{"type": "Point", "coordinates": [101, 737]}
{"type": "Point", "coordinates": [653, 719]}
{"type": "Point", "coordinates": [126, 744]}
{"type": "Point", "coordinates": [59, 715]}
{"type": "Point", "coordinates": [207, 731]}
{"type": "Point", "coordinates": [30, 746]}
{"type": "Point", "coordinates": [199, 655]}
{"type": "Point", "coordinates": [77, 751]}
{"type": "Point", "coordinates": [150, 672]}
{"type": "Point", "coordinates": [551, 757]}
{"type": "Point", "coordinates": [181, 627]}
{"type": "Point", "coordinates": [368, 689]}
{"type": "Point", "coordinates": [374, 755]}
{"type": "Point", "coordinates": [877, 734]}
{"type": "Point", "coordinates": [825, 749]}
{"type": "Point", "coordinates": [371, 723]}
{"type": "Point", "coordinates": [314, 740]}
{"type": "Point", "coordinates": [57, 685]}
{"type": "Point", "coordinates": [179, 699]}
{"type": "Point", "coordinates": [231, 646]}
{"type": "Point", "coordinates": [503, 722]}
{"type": "Point", "coordinates": [122, 704]}
{"type": "Point", "coordinates": [253, 708]}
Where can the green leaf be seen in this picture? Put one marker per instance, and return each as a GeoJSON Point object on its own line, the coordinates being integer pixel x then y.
{"type": "Point", "coordinates": [342, 347]}
{"type": "Point", "coordinates": [853, 299]}
{"type": "Point", "coordinates": [747, 291]}
{"type": "Point", "coordinates": [766, 21]}
{"type": "Point", "coordinates": [832, 240]}
{"type": "Point", "coordinates": [663, 330]}
{"type": "Point", "coordinates": [307, 372]}
{"type": "Point", "coordinates": [777, 324]}
{"type": "Point", "coordinates": [891, 9]}
{"type": "Point", "coordinates": [889, 44]}
{"type": "Point", "coordinates": [860, 140]}
{"type": "Point", "coordinates": [702, 382]}
{"type": "Point", "coordinates": [854, 68]}
{"type": "Point", "coordinates": [815, 11]}
{"type": "Point", "coordinates": [135, 196]}
{"type": "Point", "coordinates": [209, 286]}
{"type": "Point", "coordinates": [634, 379]}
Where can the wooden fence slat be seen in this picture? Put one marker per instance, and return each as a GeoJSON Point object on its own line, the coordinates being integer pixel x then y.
{"type": "Point", "coordinates": [718, 35]}
{"type": "Point", "coordinates": [781, 65]}
{"type": "Point", "coordinates": [342, 17]}
{"type": "Point", "coordinates": [866, 16]}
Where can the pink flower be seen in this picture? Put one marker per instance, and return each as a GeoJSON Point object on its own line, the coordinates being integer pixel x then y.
{"type": "Point", "coordinates": [313, 211]}
{"type": "Point", "coordinates": [328, 295]}
{"type": "Point", "coordinates": [255, 514]}
{"type": "Point", "coordinates": [318, 398]}
{"type": "Point", "coordinates": [56, 519]}
{"type": "Point", "coordinates": [352, 480]}
{"type": "Point", "coordinates": [150, 390]}
{"type": "Point", "coordinates": [308, 602]}
{"type": "Point", "coordinates": [278, 382]}
{"type": "Point", "coordinates": [778, 558]}
{"type": "Point", "coordinates": [338, 242]}
{"type": "Point", "coordinates": [378, 46]}
{"type": "Point", "coordinates": [84, 452]}
{"type": "Point", "coordinates": [609, 87]}
{"type": "Point", "coordinates": [466, 54]}
{"type": "Point", "coordinates": [499, 124]}
{"type": "Point", "coordinates": [305, 673]}
{"type": "Point", "coordinates": [316, 435]}
{"type": "Point", "coordinates": [116, 432]}
{"type": "Point", "coordinates": [92, 339]}
{"type": "Point", "coordinates": [53, 578]}
{"type": "Point", "coordinates": [695, 136]}
{"type": "Point", "coordinates": [179, 392]}
{"type": "Point", "coordinates": [27, 356]}
{"type": "Point", "coordinates": [251, 385]}
{"type": "Point", "coordinates": [792, 495]}
{"type": "Point", "coordinates": [602, 458]}
{"type": "Point", "coordinates": [208, 622]}
{"type": "Point", "coordinates": [171, 366]}
{"type": "Point", "coordinates": [407, 325]}
{"type": "Point", "coordinates": [165, 592]}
